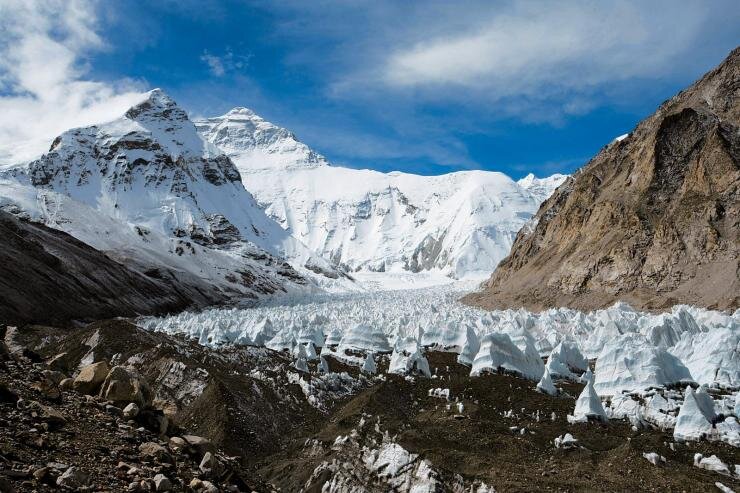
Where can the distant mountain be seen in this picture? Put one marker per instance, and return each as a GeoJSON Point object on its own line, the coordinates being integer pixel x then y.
{"type": "Point", "coordinates": [460, 224]}
{"type": "Point", "coordinates": [150, 192]}
{"type": "Point", "coordinates": [651, 220]}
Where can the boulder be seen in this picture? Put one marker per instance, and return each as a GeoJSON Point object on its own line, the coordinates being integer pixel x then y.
{"type": "Point", "coordinates": [153, 450]}
{"type": "Point", "coordinates": [130, 411]}
{"type": "Point", "coordinates": [199, 444]}
{"type": "Point", "coordinates": [73, 479]}
{"type": "Point", "coordinates": [91, 377]}
{"type": "Point", "coordinates": [123, 385]}
{"type": "Point", "coordinates": [162, 483]}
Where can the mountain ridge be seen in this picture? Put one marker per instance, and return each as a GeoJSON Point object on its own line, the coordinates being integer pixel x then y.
{"type": "Point", "coordinates": [459, 224]}
{"type": "Point", "coordinates": [651, 219]}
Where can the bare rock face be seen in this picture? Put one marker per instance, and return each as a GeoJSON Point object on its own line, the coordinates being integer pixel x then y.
{"type": "Point", "coordinates": [653, 219]}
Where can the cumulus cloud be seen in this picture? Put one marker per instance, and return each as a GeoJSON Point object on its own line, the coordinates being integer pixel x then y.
{"type": "Point", "coordinates": [44, 88]}
{"type": "Point", "coordinates": [537, 48]}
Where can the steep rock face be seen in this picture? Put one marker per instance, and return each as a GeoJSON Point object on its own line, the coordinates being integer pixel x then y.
{"type": "Point", "coordinates": [653, 219]}
{"type": "Point", "coordinates": [149, 191]}
{"type": "Point", "coordinates": [50, 277]}
{"type": "Point", "coordinates": [460, 224]}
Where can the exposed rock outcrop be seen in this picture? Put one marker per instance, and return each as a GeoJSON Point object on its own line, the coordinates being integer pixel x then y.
{"type": "Point", "coordinates": [651, 220]}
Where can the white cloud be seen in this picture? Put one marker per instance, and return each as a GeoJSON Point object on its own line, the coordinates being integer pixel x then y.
{"type": "Point", "coordinates": [536, 49]}
{"type": "Point", "coordinates": [43, 85]}
{"type": "Point", "coordinates": [228, 62]}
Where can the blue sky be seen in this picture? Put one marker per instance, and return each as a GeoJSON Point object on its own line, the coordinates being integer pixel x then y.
{"type": "Point", "coordinates": [425, 87]}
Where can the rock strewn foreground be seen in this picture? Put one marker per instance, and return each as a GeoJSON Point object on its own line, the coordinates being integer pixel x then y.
{"type": "Point", "coordinates": [651, 220]}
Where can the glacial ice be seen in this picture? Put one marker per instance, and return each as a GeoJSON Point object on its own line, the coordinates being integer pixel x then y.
{"type": "Point", "coordinates": [644, 361]}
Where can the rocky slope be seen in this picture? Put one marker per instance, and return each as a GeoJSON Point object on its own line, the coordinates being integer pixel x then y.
{"type": "Point", "coordinates": [110, 407]}
{"type": "Point", "coordinates": [460, 224]}
{"type": "Point", "coordinates": [48, 276]}
{"type": "Point", "coordinates": [652, 219]}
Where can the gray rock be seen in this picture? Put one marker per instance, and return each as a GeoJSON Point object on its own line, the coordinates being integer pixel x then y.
{"type": "Point", "coordinates": [73, 479]}
{"type": "Point", "coordinates": [130, 411]}
{"type": "Point", "coordinates": [162, 483]}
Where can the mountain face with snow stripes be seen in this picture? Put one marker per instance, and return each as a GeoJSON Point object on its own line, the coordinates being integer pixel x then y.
{"type": "Point", "coordinates": [459, 224]}
{"type": "Point", "coordinates": [148, 190]}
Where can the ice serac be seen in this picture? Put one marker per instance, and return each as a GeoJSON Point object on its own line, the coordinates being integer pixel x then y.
{"type": "Point", "coordinates": [148, 190]}
{"type": "Point", "coordinates": [459, 224]}
{"type": "Point", "coordinates": [650, 220]}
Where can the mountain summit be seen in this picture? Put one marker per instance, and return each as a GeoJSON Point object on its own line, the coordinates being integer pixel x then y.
{"type": "Point", "coordinates": [459, 224]}
{"type": "Point", "coordinates": [652, 219]}
{"type": "Point", "coordinates": [147, 189]}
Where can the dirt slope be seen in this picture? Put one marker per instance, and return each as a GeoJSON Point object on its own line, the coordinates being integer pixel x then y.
{"type": "Point", "coordinates": [48, 276]}
{"type": "Point", "coordinates": [653, 219]}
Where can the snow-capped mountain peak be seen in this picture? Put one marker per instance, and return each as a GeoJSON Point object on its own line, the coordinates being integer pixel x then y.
{"type": "Point", "coordinates": [541, 188]}
{"type": "Point", "coordinates": [257, 143]}
{"type": "Point", "coordinates": [460, 224]}
{"type": "Point", "coordinates": [147, 188]}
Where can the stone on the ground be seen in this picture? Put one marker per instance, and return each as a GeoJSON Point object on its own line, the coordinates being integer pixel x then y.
{"type": "Point", "coordinates": [162, 483]}
{"type": "Point", "coordinates": [153, 450]}
{"type": "Point", "coordinates": [130, 411]}
{"type": "Point", "coordinates": [199, 444]}
{"type": "Point", "coordinates": [73, 479]}
{"type": "Point", "coordinates": [91, 378]}
{"type": "Point", "coordinates": [123, 385]}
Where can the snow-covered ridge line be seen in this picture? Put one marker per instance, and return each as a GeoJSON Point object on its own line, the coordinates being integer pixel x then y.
{"type": "Point", "coordinates": [459, 224]}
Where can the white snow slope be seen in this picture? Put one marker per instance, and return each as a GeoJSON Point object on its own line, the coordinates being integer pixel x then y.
{"type": "Point", "coordinates": [459, 224]}
{"type": "Point", "coordinates": [147, 189]}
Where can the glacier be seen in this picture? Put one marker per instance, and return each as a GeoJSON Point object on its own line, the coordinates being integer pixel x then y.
{"type": "Point", "coordinates": [639, 375]}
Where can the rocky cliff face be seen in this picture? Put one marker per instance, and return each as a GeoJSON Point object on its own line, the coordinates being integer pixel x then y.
{"type": "Point", "coordinates": [653, 219]}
